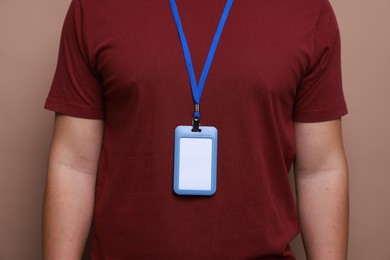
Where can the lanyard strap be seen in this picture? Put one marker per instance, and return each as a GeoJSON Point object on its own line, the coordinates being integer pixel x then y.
{"type": "Point", "coordinates": [198, 88]}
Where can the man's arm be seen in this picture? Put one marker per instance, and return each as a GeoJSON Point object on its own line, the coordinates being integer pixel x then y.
{"type": "Point", "coordinates": [322, 189]}
{"type": "Point", "coordinates": [70, 187]}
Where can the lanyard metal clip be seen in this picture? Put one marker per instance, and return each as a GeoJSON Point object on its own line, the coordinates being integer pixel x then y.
{"type": "Point", "coordinates": [195, 120]}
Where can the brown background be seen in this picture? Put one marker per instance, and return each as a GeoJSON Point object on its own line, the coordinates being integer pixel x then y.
{"type": "Point", "coordinates": [29, 36]}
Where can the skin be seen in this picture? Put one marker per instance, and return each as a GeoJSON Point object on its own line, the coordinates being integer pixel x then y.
{"type": "Point", "coordinates": [70, 187]}
{"type": "Point", "coordinates": [322, 190]}
{"type": "Point", "coordinates": [321, 180]}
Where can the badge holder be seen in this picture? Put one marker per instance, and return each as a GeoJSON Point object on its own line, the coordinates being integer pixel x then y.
{"type": "Point", "coordinates": [195, 165]}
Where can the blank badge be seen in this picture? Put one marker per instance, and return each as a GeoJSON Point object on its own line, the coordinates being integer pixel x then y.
{"type": "Point", "coordinates": [195, 169]}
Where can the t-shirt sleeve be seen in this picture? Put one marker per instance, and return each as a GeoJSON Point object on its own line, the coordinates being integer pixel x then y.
{"type": "Point", "coordinates": [76, 89]}
{"type": "Point", "coordinates": [320, 96]}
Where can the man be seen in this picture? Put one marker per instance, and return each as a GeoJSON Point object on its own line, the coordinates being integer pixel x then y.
{"type": "Point", "coordinates": [273, 92]}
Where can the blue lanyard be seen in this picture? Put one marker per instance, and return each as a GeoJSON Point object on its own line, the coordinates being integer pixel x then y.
{"type": "Point", "coordinates": [198, 88]}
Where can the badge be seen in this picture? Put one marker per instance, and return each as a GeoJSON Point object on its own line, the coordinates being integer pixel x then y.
{"type": "Point", "coordinates": [195, 164]}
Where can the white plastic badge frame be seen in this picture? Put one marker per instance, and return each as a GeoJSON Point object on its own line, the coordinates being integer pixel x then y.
{"type": "Point", "coordinates": [195, 163]}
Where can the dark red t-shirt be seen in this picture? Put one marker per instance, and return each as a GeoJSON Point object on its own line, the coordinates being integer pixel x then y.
{"type": "Point", "coordinates": [121, 61]}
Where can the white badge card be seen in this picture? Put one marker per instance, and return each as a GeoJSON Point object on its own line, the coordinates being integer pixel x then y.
{"type": "Point", "coordinates": [195, 169]}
